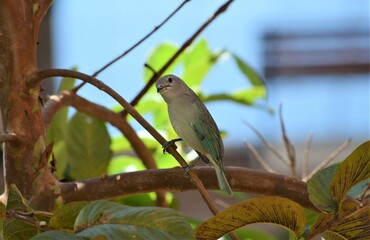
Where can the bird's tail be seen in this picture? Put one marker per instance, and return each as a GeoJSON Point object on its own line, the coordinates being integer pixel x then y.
{"type": "Point", "coordinates": [222, 180]}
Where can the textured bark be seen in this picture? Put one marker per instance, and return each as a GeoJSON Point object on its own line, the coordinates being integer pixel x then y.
{"type": "Point", "coordinates": [20, 106]}
{"type": "Point", "coordinates": [174, 180]}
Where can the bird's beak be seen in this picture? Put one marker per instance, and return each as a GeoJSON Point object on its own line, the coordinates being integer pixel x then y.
{"type": "Point", "coordinates": [161, 87]}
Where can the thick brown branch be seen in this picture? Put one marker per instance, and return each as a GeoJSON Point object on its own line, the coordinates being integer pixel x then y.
{"type": "Point", "coordinates": [8, 137]}
{"type": "Point", "coordinates": [240, 179]}
{"type": "Point", "coordinates": [154, 78]}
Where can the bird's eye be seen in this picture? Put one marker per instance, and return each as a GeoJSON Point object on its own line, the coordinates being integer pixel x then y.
{"type": "Point", "coordinates": [170, 80]}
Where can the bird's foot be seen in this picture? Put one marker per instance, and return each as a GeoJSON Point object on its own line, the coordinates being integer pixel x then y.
{"type": "Point", "coordinates": [190, 166]}
{"type": "Point", "coordinates": [170, 143]}
{"type": "Point", "coordinates": [187, 168]}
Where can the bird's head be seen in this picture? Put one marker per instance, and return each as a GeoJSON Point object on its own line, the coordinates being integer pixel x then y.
{"type": "Point", "coordinates": [170, 86]}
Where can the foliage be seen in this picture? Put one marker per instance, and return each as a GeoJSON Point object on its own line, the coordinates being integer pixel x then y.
{"type": "Point", "coordinates": [347, 219]}
{"type": "Point", "coordinates": [273, 210]}
{"type": "Point", "coordinates": [83, 149]}
{"type": "Point", "coordinates": [82, 220]}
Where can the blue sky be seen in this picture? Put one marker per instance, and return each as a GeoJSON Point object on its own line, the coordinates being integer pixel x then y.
{"type": "Point", "coordinates": [89, 33]}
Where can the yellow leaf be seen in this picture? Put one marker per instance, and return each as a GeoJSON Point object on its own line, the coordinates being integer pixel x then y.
{"type": "Point", "coordinates": [274, 210]}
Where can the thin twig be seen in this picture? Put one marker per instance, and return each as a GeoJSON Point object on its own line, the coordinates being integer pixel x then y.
{"type": "Point", "coordinates": [141, 40]}
{"type": "Point", "coordinates": [326, 161]}
{"type": "Point", "coordinates": [154, 78]}
{"type": "Point", "coordinates": [39, 76]}
{"type": "Point", "coordinates": [258, 157]}
{"type": "Point", "coordinates": [150, 68]}
{"type": "Point", "coordinates": [288, 145]}
{"type": "Point", "coordinates": [75, 89]}
{"type": "Point", "coordinates": [306, 155]}
{"type": "Point", "coordinates": [8, 137]}
{"type": "Point", "coordinates": [269, 145]}
{"type": "Point", "coordinates": [27, 218]}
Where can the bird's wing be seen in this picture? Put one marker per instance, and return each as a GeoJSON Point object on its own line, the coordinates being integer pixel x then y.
{"type": "Point", "coordinates": [208, 134]}
{"type": "Point", "coordinates": [204, 158]}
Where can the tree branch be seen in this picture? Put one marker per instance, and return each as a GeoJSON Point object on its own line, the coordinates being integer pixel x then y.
{"type": "Point", "coordinates": [269, 145]}
{"type": "Point", "coordinates": [287, 144]}
{"type": "Point", "coordinates": [306, 156]}
{"type": "Point", "coordinates": [240, 179]}
{"type": "Point", "coordinates": [258, 157]}
{"type": "Point", "coordinates": [40, 9]}
{"type": "Point", "coordinates": [141, 40]}
{"type": "Point", "coordinates": [158, 73]}
{"type": "Point", "coordinates": [56, 102]}
{"type": "Point", "coordinates": [8, 137]}
{"type": "Point", "coordinates": [327, 160]}
{"type": "Point", "coordinates": [39, 76]}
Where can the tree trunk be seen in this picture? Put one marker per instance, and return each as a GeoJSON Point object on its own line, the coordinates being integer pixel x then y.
{"type": "Point", "coordinates": [24, 165]}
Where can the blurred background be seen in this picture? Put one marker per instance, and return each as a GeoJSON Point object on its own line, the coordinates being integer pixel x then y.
{"type": "Point", "coordinates": [313, 55]}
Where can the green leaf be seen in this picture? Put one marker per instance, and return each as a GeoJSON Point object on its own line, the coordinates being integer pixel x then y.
{"type": "Point", "coordinates": [124, 163]}
{"type": "Point", "coordinates": [161, 54]}
{"type": "Point", "coordinates": [155, 105]}
{"type": "Point", "coordinates": [351, 222]}
{"type": "Point", "coordinates": [65, 216]}
{"type": "Point", "coordinates": [114, 231]}
{"type": "Point", "coordinates": [61, 156]}
{"type": "Point", "coordinates": [318, 189]}
{"type": "Point", "coordinates": [57, 235]}
{"type": "Point", "coordinates": [16, 201]}
{"type": "Point", "coordinates": [137, 200]}
{"type": "Point", "coordinates": [249, 72]}
{"type": "Point", "coordinates": [253, 234]}
{"type": "Point", "coordinates": [88, 146]}
{"type": "Point", "coordinates": [97, 212]}
{"type": "Point", "coordinates": [311, 216]}
{"type": "Point", "coordinates": [197, 62]}
{"type": "Point", "coordinates": [274, 210]}
{"type": "Point", "coordinates": [56, 129]}
{"type": "Point", "coordinates": [359, 189]}
{"type": "Point", "coordinates": [114, 221]}
{"type": "Point", "coordinates": [246, 96]}
{"type": "Point", "coordinates": [353, 170]}
{"type": "Point", "coordinates": [332, 236]}
{"type": "Point", "coordinates": [120, 144]}
{"type": "Point", "coordinates": [13, 228]}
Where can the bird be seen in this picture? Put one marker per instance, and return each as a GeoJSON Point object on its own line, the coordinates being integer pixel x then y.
{"type": "Point", "coordinates": [194, 124]}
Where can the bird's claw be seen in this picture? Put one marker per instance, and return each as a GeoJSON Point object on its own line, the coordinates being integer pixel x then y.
{"type": "Point", "coordinates": [187, 169]}
{"type": "Point", "coordinates": [170, 143]}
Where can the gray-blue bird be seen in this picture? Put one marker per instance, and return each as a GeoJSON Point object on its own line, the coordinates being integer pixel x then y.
{"type": "Point", "coordinates": [194, 124]}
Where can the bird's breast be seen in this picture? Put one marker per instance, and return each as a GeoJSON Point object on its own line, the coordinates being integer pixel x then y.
{"type": "Point", "coordinates": [182, 116]}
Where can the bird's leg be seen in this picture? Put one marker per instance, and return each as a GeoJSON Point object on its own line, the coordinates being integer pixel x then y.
{"type": "Point", "coordinates": [170, 143]}
{"type": "Point", "coordinates": [189, 166]}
